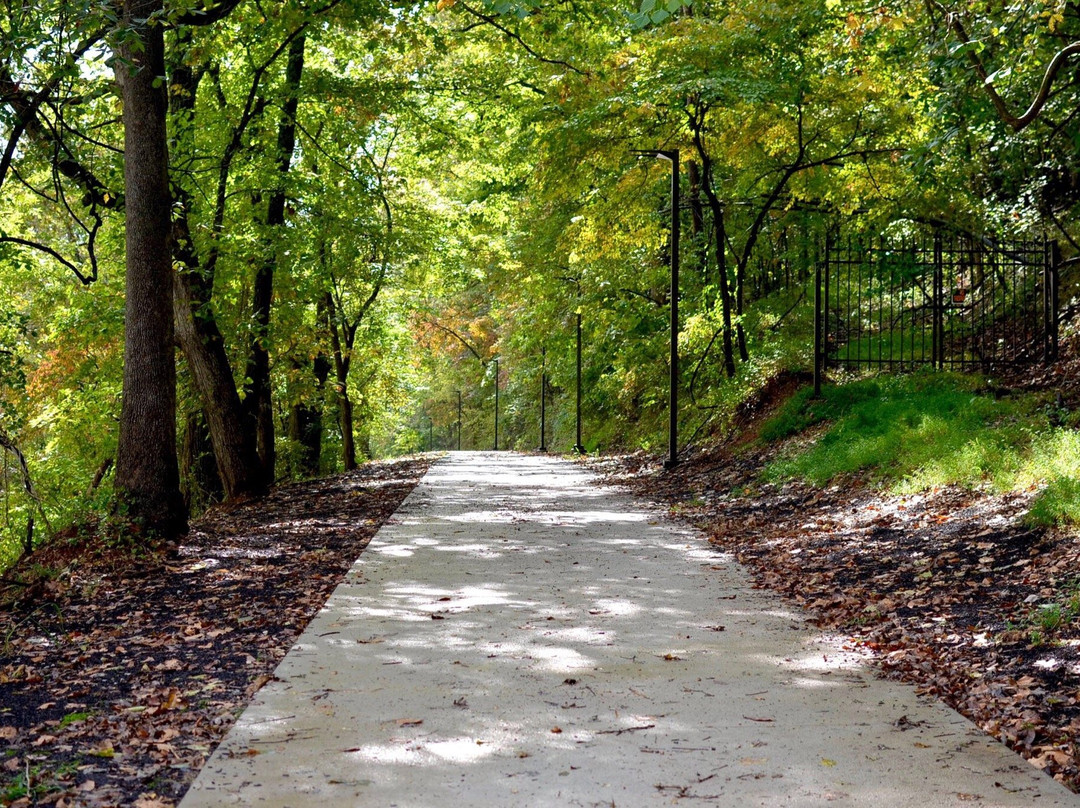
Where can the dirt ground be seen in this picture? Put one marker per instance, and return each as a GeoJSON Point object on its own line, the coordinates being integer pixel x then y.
{"type": "Point", "coordinates": [119, 675]}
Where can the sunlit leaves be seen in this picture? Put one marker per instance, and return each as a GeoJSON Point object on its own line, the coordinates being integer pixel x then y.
{"type": "Point", "coordinates": [654, 12]}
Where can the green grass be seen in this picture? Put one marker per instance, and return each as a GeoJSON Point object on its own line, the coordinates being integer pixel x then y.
{"type": "Point", "coordinates": [913, 432]}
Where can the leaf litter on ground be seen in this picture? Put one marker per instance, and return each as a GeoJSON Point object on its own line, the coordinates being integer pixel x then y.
{"type": "Point", "coordinates": [120, 674]}
{"type": "Point", "coordinates": [948, 589]}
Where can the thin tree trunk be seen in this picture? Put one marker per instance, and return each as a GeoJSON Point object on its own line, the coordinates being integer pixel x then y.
{"type": "Point", "coordinates": [697, 219]}
{"type": "Point", "coordinates": [348, 440]}
{"type": "Point", "coordinates": [306, 421]}
{"type": "Point", "coordinates": [200, 482]}
{"type": "Point", "coordinates": [257, 401]}
{"type": "Point", "coordinates": [204, 350]}
{"type": "Point", "coordinates": [740, 332]}
{"type": "Point", "coordinates": [196, 325]}
{"type": "Point", "coordinates": [720, 244]}
{"type": "Point", "coordinates": [147, 474]}
{"type": "Point", "coordinates": [721, 267]}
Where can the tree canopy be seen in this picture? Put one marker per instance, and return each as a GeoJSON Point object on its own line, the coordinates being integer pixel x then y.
{"type": "Point", "coordinates": [335, 215]}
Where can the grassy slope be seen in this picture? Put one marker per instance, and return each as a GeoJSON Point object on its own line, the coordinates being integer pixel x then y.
{"type": "Point", "coordinates": [909, 433]}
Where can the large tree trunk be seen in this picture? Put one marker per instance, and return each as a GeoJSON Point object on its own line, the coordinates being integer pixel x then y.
{"type": "Point", "coordinates": [257, 401]}
{"type": "Point", "coordinates": [147, 474]}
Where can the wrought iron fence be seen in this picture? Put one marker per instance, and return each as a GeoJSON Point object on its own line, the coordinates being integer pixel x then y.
{"type": "Point", "coordinates": [935, 299]}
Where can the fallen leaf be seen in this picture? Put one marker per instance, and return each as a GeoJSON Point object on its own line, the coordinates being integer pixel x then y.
{"type": "Point", "coordinates": [827, 762]}
{"type": "Point", "coordinates": [409, 722]}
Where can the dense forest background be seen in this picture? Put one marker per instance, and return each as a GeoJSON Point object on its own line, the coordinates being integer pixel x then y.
{"type": "Point", "coordinates": [320, 224]}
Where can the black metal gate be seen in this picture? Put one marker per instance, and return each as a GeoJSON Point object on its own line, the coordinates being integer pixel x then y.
{"type": "Point", "coordinates": [937, 299]}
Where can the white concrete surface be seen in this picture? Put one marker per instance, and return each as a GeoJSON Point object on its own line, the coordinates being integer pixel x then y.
{"type": "Point", "coordinates": [519, 637]}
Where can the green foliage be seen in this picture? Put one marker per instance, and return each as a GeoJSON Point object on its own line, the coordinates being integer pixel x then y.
{"type": "Point", "coordinates": [912, 431]}
{"type": "Point", "coordinates": [1056, 504]}
{"type": "Point", "coordinates": [918, 431]}
{"type": "Point", "coordinates": [654, 12]}
{"type": "Point", "coordinates": [459, 192]}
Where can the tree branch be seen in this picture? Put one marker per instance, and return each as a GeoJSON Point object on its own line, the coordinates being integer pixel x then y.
{"type": "Point", "coordinates": [1016, 122]}
{"type": "Point", "coordinates": [458, 337]}
{"type": "Point", "coordinates": [494, 23]}
{"type": "Point", "coordinates": [86, 280]}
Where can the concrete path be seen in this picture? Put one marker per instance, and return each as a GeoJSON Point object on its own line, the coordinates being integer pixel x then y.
{"type": "Point", "coordinates": [519, 637]}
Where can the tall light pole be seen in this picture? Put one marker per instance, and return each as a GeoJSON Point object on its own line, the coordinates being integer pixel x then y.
{"type": "Point", "coordinates": [578, 447]}
{"type": "Point", "coordinates": [496, 360]}
{"type": "Point", "coordinates": [458, 420]}
{"type": "Point", "coordinates": [672, 156]}
{"type": "Point", "coordinates": [543, 398]}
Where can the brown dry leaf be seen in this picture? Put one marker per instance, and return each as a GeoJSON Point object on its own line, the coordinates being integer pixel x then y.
{"type": "Point", "coordinates": [8, 733]}
{"type": "Point", "coordinates": [151, 800]}
{"type": "Point", "coordinates": [409, 722]}
{"type": "Point", "coordinates": [556, 730]}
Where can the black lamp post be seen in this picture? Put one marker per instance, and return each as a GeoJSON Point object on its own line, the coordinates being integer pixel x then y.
{"type": "Point", "coordinates": [458, 420]}
{"type": "Point", "coordinates": [543, 398]}
{"type": "Point", "coordinates": [672, 155]}
{"type": "Point", "coordinates": [579, 447]}
{"type": "Point", "coordinates": [496, 361]}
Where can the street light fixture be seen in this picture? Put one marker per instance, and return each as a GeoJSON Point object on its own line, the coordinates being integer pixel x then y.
{"type": "Point", "coordinates": [672, 156]}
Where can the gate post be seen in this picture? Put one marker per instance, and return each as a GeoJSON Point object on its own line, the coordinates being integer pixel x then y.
{"type": "Point", "coordinates": [938, 327]}
{"type": "Point", "coordinates": [1051, 261]}
{"type": "Point", "coordinates": [819, 357]}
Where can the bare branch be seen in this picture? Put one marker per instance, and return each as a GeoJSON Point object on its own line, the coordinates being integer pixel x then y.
{"type": "Point", "coordinates": [494, 23]}
{"type": "Point", "coordinates": [86, 280]}
{"type": "Point", "coordinates": [458, 337]}
{"type": "Point", "coordinates": [1016, 122]}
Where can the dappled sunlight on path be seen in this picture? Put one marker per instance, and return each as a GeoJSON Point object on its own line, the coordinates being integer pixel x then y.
{"type": "Point", "coordinates": [517, 636]}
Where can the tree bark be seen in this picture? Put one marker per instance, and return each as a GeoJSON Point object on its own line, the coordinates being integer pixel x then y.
{"type": "Point", "coordinates": [342, 345]}
{"type": "Point", "coordinates": [697, 219]}
{"type": "Point", "coordinates": [200, 481]}
{"type": "Point", "coordinates": [204, 349]}
{"type": "Point", "coordinates": [257, 401]}
{"type": "Point", "coordinates": [306, 421]}
{"type": "Point", "coordinates": [147, 474]}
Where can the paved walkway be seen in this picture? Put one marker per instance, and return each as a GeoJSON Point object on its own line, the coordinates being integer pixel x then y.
{"type": "Point", "coordinates": [519, 637]}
